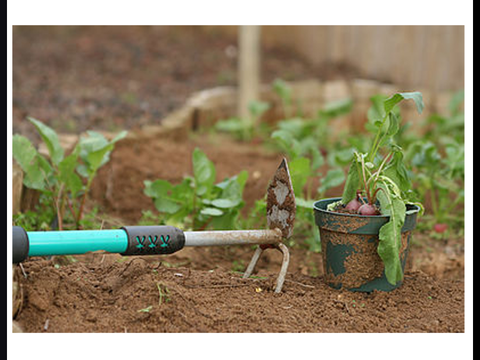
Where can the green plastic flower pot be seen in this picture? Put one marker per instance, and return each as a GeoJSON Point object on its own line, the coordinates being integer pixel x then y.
{"type": "Point", "coordinates": [349, 247]}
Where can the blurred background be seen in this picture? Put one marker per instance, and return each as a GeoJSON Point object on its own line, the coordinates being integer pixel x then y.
{"type": "Point", "coordinates": [109, 78]}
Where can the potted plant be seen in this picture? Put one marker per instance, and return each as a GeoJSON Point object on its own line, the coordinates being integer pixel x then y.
{"type": "Point", "coordinates": [365, 234]}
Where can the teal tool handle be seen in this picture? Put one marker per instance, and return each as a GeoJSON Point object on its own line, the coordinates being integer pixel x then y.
{"type": "Point", "coordinates": [129, 240]}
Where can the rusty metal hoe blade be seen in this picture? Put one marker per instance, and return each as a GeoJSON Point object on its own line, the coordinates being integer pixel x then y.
{"type": "Point", "coordinates": [281, 209]}
{"type": "Point", "coordinates": [281, 206]}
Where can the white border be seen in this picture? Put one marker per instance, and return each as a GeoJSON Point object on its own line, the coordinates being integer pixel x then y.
{"type": "Point", "coordinates": [248, 12]}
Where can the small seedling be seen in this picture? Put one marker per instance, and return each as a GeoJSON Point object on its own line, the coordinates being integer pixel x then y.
{"type": "Point", "coordinates": [145, 310]}
{"type": "Point", "coordinates": [63, 179]}
{"type": "Point", "coordinates": [163, 294]}
{"type": "Point", "coordinates": [245, 129]}
{"type": "Point", "coordinates": [198, 202]}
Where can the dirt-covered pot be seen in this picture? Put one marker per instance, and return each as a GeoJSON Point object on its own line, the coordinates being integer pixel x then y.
{"type": "Point", "coordinates": [349, 247]}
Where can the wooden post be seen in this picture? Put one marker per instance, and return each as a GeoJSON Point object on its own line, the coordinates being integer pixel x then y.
{"type": "Point", "coordinates": [248, 68]}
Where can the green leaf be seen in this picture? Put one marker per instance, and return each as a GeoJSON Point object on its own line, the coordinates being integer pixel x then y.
{"type": "Point", "coordinates": [299, 173]}
{"type": "Point", "coordinates": [67, 174]}
{"type": "Point", "coordinates": [333, 178]}
{"type": "Point", "coordinates": [302, 203]}
{"type": "Point", "coordinates": [455, 160]}
{"type": "Point", "coordinates": [258, 108]}
{"type": "Point", "coordinates": [317, 158]}
{"type": "Point", "coordinates": [376, 110]}
{"type": "Point", "coordinates": [227, 221]}
{"type": "Point", "coordinates": [167, 205]}
{"type": "Point", "coordinates": [340, 157]}
{"type": "Point", "coordinates": [37, 170]}
{"type": "Point", "coordinates": [23, 151]}
{"type": "Point", "coordinates": [397, 171]}
{"type": "Point", "coordinates": [241, 179]}
{"type": "Point", "coordinates": [164, 196]}
{"type": "Point", "coordinates": [390, 234]}
{"type": "Point", "coordinates": [119, 136]}
{"type": "Point", "coordinates": [423, 154]}
{"type": "Point", "coordinates": [95, 151]}
{"type": "Point", "coordinates": [211, 211]}
{"type": "Point", "coordinates": [287, 143]}
{"type": "Point", "coordinates": [393, 124]}
{"type": "Point", "coordinates": [337, 108]}
{"type": "Point", "coordinates": [225, 203]}
{"type": "Point", "coordinates": [352, 183]}
{"type": "Point", "coordinates": [232, 125]}
{"type": "Point", "coordinates": [203, 171]}
{"type": "Point", "coordinates": [232, 189]}
{"type": "Point", "coordinates": [184, 191]}
{"type": "Point", "coordinates": [35, 177]}
{"type": "Point", "coordinates": [456, 102]}
{"type": "Point", "coordinates": [50, 138]}
{"type": "Point", "coordinates": [99, 157]}
{"type": "Point", "coordinates": [416, 96]}
{"type": "Point", "coordinates": [283, 90]}
{"type": "Point", "coordinates": [157, 188]}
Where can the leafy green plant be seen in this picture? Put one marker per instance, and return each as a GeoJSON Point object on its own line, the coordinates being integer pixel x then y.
{"type": "Point", "coordinates": [384, 177]}
{"type": "Point", "coordinates": [63, 179]}
{"type": "Point", "coordinates": [198, 202]}
{"type": "Point", "coordinates": [297, 137]}
{"type": "Point", "coordinates": [439, 178]}
{"type": "Point", "coordinates": [40, 219]}
{"type": "Point", "coordinates": [245, 129]}
{"type": "Point", "coordinates": [443, 129]}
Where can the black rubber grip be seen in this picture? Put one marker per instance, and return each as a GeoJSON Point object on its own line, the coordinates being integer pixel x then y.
{"type": "Point", "coordinates": [20, 244]}
{"type": "Point", "coordinates": [153, 240]}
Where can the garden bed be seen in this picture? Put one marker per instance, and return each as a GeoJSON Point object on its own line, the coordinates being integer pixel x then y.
{"type": "Point", "coordinates": [204, 288]}
{"type": "Point", "coordinates": [106, 294]}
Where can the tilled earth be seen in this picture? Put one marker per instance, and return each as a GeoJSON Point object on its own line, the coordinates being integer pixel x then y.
{"type": "Point", "coordinates": [110, 294]}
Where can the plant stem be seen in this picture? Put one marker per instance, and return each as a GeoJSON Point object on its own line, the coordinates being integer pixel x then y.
{"type": "Point", "coordinates": [84, 197]}
{"type": "Point", "coordinates": [80, 211]}
{"type": "Point", "coordinates": [194, 205]}
{"type": "Point", "coordinates": [364, 178]}
{"type": "Point", "coordinates": [376, 142]}
{"type": "Point", "coordinates": [379, 171]}
{"type": "Point", "coordinates": [375, 194]}
{"type": "Point", "coordinates": [57, 201]}
{"type": "Point", "coordinates": [72, 211]}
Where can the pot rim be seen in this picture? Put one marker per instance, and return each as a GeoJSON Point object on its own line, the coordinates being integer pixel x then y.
{"type": "Point", "coordinates": [414, 210]}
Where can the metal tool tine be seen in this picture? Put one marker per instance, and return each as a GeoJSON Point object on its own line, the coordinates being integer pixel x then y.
{"type": "Point", "coordinates": [283, 269]}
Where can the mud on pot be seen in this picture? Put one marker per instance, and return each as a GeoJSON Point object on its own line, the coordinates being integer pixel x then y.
{"type": "Point", "coordinates": [349, 244]}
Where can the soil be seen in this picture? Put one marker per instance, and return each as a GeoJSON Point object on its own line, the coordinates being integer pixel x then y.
{"type": "Point", "coordinates": [79, 78]}
{"type": "Point", "coordinates": [201, 289]}
{"type": "Point", "coordinates": [76, 81]}
{"type": "Point", "coordinates": [137, 295]}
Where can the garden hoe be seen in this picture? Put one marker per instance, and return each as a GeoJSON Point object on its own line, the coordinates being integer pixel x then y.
{"type": "Point", "coordinates": [154, 240]}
